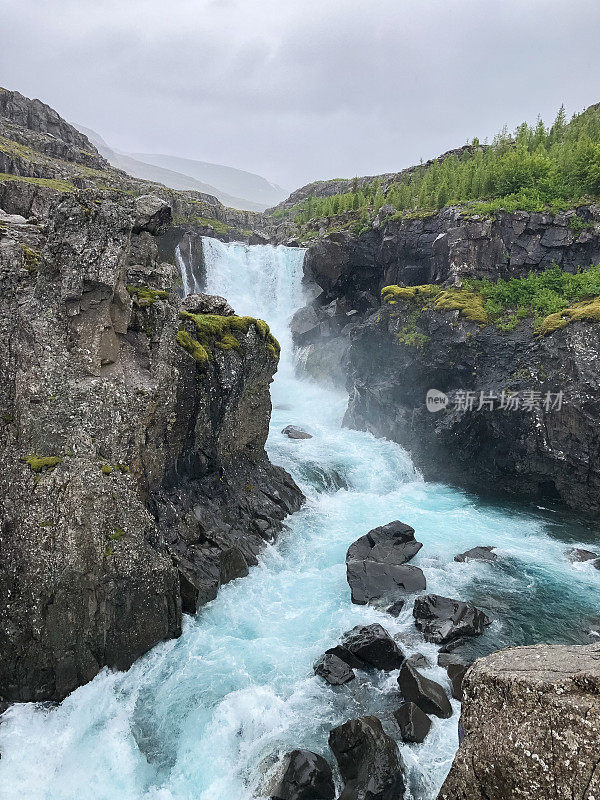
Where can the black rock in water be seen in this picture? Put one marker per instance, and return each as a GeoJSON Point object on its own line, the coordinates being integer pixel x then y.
{"type": "Point", "coordinates": [395, 609]}
{"type": "Point", "coordinates": [368, 760]}
{"type": "Point", "coordinates": [332, 669]}
{"type": "Point", "coordinates": [303, 775]}
{"type": "Point", "coordinates": [293, 432]}
{"type": "Point", "coordinates": [419, 660]}
{"type": "Point", "coordinates": [576, 554]}
{"type": "Point", "coordinates": [414, 724]}
{"type": "Point", "coordinates": [441, 619]}
{"type": "Point", "coordinates": [427, 694]}
{"type": "Point", "coordinates": [454, 644]}
{"type": "Point", "coordinates": [477, 554]}
{"type": "Point", "coordinates": [380, 584]}
{"type": "Point", "coordinates": [374, 646]}
{"type": "Point", "coordinates": [393, 543]}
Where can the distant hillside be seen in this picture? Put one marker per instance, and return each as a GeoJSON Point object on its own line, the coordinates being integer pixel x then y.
{"type": "Point", "coordinates": [235, 182]}
{"type": "Point", "coordinates": [177, 176]}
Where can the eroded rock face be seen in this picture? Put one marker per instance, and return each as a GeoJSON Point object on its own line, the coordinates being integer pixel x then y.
{"type": "Point", "coordinates": [132, 481]}
{"type": "Point", "coordinates": [531, 726]}
{"type": "Point", "coordinates": [368, 760]}
{"type": "Point", "coordinates": [543, 452]}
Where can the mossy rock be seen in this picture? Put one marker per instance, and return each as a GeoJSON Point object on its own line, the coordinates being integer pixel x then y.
{"type": "Point", "coordinates": [216, 331]}
{"type": "Point", "coordinates": [588, 311]}
{"type": "Point", "coordinates": [42, 463]}
{"type": "Point", "coordinates": [144, 296]}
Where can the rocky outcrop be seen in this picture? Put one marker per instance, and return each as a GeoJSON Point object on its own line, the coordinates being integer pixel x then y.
{"type": "Point", "coordinates": [540, 448]}
{"type": "Point", "coordinates": [428, 695]}
{"type": "Point", "coordinates": [133, 479]}
{"type": "Point", "coordinates": [530, 726]}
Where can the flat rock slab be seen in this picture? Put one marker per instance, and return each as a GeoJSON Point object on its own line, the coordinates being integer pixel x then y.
{"type": "Point", "coordinates": [380, 584]}
{"type": "Point", "coordinates": [428, 695]}
{"type": "Point", "coordinates": [393, 543]}
{"type": "Point", "coordinates": [374, 646]}
{"type": "Point", "coordinates": [477, 554]}
{"type": "Point", "coordinates": [414, 724]}
{"type": "Point", "coordinates": [441, 619]}
{"type": "Point", "coordinates": [293, 432]}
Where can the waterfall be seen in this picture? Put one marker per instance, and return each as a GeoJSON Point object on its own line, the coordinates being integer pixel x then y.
{"type": "Point", "coordinates": [197, 717]}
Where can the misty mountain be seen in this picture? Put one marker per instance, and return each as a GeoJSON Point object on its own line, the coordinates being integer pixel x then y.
{"type": "Point", "coordinates": [257, 197]}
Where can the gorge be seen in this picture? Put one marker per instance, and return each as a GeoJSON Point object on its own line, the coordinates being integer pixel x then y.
{"type": "Point", "coordinates": [200, 713]}
{"type": "Point", "coordinates": [150, 526]}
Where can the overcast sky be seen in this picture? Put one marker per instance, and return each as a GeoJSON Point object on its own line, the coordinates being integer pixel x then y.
{"type": "Point", "coordinates": [301, 89]}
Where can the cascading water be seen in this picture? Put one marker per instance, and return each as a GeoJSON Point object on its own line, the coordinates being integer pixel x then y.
{"type": "Point", "coordinates": [196, 716]}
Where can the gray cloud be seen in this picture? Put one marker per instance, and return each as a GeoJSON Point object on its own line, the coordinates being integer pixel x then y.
{"type": "Point", "coordinates": [298, 91]}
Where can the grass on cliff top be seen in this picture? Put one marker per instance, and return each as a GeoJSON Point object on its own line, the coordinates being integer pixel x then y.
{"type": "Point", "coordinates": [215, 331]}
{"type": "Point", "coordinates": [553, 299]}
{"type": "Point", "coordinates": [48, 183]}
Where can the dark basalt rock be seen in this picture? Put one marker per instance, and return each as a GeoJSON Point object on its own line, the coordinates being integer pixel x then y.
{"type": "Point", "coordinates": [302, 775]}
{"type": "Point", "coordinates": [393, 543]}
{"type": "Point", "coordinates": [376, 583]}
{"type": "Point", "coordinates": [418, 660]}
{"type": "Point", "coordinates": [296, 433]}
{"type": "Point", "coordinates": [456, 672]}
{"type": "Point", "coordinates": [441, 619]}
{"type": "Point", "coordinates": [427, 694]}
{"type": "Point", "coordinates": [577, 554]}
{"type": "Point", "coordinates": [335, 671]}
{"type": "Point", "coordinates": [368, 760]}
{"type": "Point", "coordinates": [345, 655]}
{"type": "Point", "coordinates": [477, 554]}
{"type": "Point", "coordinates": [414, 724]}
{"type": "Point", "coordinates": [454, 644]}
{"type": "Point", "coordinates": [373, 645]}
{"type": "Point", "coordinates": [395, 609]}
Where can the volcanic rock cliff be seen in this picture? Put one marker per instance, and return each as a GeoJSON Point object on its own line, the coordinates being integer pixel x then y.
{"type": "Point", "coordinates": [133, 479]}
{"type": "Point", "coordinates": [391, 354]}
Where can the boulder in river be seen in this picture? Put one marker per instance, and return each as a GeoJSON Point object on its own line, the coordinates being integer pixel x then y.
{"type": "Point", "coordinates": [380, 584]}
{"type": "Point", "coordinates": [294, 432]}
{"type": "Point", "coordinates": [441, 619]}
{"type": "Point", "coordinates": [395, 609]}
{"type": "Point", "coordinates": [427, 694]}
{"type": "Point", "coordinates": [414, 724]}
{"type": "Point", "coordinates": [302, 775]}
{"type": "Point", "coordinates": [332, 669]}
{"type": "Point", "coordinates": [477, 554]}
{"type": "Point", "coordinates": [576, 554]}
{"type": "Point", "coordinates": [531, 727]}
{"type": "Point", "coordinates": [373, 645]}
{"type": "Point", "coordinates": [393, 543]}
{"type": "Point", "coordinates": [368, 760]}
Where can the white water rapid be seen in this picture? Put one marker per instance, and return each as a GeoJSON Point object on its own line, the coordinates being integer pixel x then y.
{"type": "Point", "coordinates": [195, 717]}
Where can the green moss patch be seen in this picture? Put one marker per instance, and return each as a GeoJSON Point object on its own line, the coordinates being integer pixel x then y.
{"type": "Point", "coordinates": [48, 183]}
{"type": "Point", "coordinates": [42, 463]}
{"type": "Point", "coordinates": [144, 296]}
{"type": "Point", "coordinates": [551, 299]}
{"type": "Point", "coordinates": [215, 331]}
